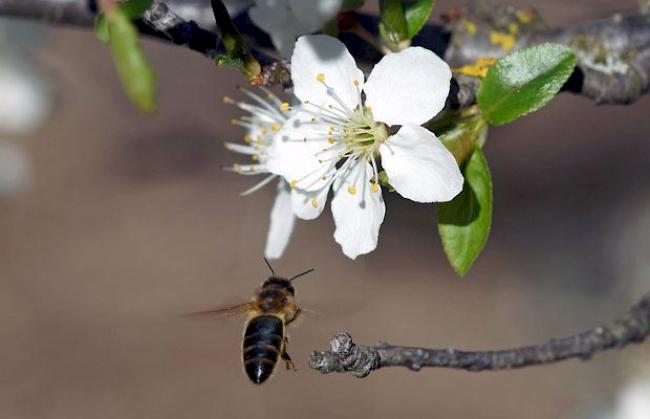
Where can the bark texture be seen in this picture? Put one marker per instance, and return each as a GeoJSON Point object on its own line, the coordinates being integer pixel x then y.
{"type": "Point", "coordinates": [360, 360]}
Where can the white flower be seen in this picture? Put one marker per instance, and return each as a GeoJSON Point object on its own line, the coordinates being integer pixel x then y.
{"type": "Point", "coordinates": [285, 20]}
{"type": "Point", "coordinates": [265, 119]}
{"type": "Point", "coordinates": [24, 98]}
{"type": "Point", "coordinates": [336, 138]}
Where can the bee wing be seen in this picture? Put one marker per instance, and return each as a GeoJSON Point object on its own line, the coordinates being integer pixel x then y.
{"type": "Point", "coordinates": [224, 311]}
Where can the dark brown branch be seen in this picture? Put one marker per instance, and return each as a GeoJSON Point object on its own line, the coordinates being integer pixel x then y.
{"type": "Point", "coordinates": [359, 360]}
{"type": "Point", "coordinates": [160, 21]}
{"type": "Point", "coordinates": [613, 54]}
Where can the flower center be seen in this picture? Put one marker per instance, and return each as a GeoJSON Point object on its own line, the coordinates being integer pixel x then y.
{"type": "Point", "coordinates": [361, 135]}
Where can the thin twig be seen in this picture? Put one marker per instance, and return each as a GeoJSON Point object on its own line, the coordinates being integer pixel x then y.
{"type": "Point", "coordinates": [359, 360]}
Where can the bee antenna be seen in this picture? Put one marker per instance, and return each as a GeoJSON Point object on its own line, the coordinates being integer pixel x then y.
{"type": "Point", "coordinates": [269, 265]}
{"type": "Point", "coordinates": [301, 274]}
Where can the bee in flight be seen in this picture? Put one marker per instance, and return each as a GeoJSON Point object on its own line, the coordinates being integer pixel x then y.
{"type": "Point", "coordinates": [269, 312]}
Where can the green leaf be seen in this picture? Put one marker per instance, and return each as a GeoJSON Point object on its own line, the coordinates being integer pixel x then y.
{"type": "Point", "coordinates": [464, 223]}
{"type": "Point", "coordinates": [133, 9]}
{"type": "Point", "coordinates": [524, 81]}
{"type": "Point", "coordinates": [138, 78]}
{"type": "Point", "coordinates": [101, 28]}
{"type": "Point", "coordinates": [462, 138]}
{"type": "Point", "coordinates": [392, 25]}
{"type": "Point", "coordinates": [417, 14]}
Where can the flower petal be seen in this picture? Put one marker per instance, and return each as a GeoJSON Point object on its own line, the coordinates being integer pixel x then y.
{"type": "Point", "coordinates": [419, 166]}
{"type": "Point", "coordinates": [270, 15]}
{"type": "Point", "coordinates": [277, 18]}
{"type": "Point", "coordinates": [282, 223]}
{"type": "Point", "coordinates": [358, 211]}
{"type": "Point", "coordinates": [284, 40]}
{"type": "Point", "coordinates": [309, 205]}
{"type": "Point", "coordinates": [316, 55]}
{"type": "Point", "coordinates": [408, 87]}
{"type": "Point", "coordinates": [315, 13]}
{"type": "Point", "coordinates": [294, 153]}
{"type": "Point", "coordinates": [25, 101]}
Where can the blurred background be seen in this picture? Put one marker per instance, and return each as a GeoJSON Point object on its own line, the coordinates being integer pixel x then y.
{"type": "Point", "coordinates": [113, 224]}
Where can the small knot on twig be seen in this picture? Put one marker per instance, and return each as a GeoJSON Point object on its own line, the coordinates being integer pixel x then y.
{"type": "Point", "coordinates": [345, 356]}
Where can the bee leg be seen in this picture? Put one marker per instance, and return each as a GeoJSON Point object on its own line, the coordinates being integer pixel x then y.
{"type": "Point", "coordinates": [287, 359]}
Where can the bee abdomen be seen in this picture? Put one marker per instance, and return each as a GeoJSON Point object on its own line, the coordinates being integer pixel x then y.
{"type": "Point", "coordinates": [263, 341]}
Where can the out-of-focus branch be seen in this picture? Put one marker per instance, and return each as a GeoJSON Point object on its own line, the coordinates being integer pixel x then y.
{"type": "Point", "coordinates": [160, 21]}
{"type": "Point", "coordinates": [359, 360]}
{"type": "Point", "coordinates": [613, 54]}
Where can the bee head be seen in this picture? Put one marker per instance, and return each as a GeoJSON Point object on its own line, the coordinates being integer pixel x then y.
{"type": "Point", "coordinates": [279, 283]}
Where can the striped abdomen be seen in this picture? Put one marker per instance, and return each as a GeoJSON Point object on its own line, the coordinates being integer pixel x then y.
{"type": "Point", "coordinates": [263, 342]}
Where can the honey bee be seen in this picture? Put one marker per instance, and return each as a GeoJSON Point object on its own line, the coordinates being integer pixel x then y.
{"type": "Point", "coordinates": [269, 312]}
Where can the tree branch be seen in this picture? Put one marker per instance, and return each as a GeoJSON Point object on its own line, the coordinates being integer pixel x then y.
{"type": "Point", "coordinates": [160, 21]}
{"type": "Point", "coordinates": [360, 360]}
{"type": "Point", "coordinates": [613, 54]}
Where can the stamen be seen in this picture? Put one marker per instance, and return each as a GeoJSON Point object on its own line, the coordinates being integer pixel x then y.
{"type": "Point", "coordinates": [332, 93]}
{"type": "Point", "coordinates": [352, 189]}
{"type": "Point", "coordinates": [240, 148]}
{"type": "Point", "coordinates": [264, 103]}
{"type": "Point", "coordinates": [259, 185]}
{"type": "Point", "coordinates": [320, 77]}
{"type": "Point", "coordinates": [314, 203]}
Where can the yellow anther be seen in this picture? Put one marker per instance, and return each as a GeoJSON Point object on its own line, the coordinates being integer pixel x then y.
{"type": "Point", "coordinates": [293, 184]}
{"type": "Point", "coordinates": [369, 109]}
{"type": "Point", "coordinates": [513, 28]}
{"type": "Point", "coordinates": [470, 27]}
{"type": "Point", "coordinates": [276, 127]}
{"type": "Point", "coordinates": [320, 77]}
{"type": "Point", "coordinates": [251, 169]}
{"type": "Point", "coordinates": [233, 122]}
{"type": "Point", "coordinates": [478, 69]}
{"type": "Point", "coordinates": [524, 17]}
{"type": "Point", "coordinates": [356, 82]}
{"type": "Point", "coordinates": [255, 157]}
{"type": "Point", "coordinates": [505, 40]}
{"type": "Point", "coordinates": [331, 140]}
{"type": "Point", "coordinates": [227, 99]}
{"type": "Point", "coordinates": [352, 189]}
{"type": "Point", "coordinates": [374, 187]}
{"type": "Point", "coordinates": [314, 203]}
{"type": "Point", "coordinates": [284, 106]}
{"type": "Point", "coordinates": [247, 138]}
